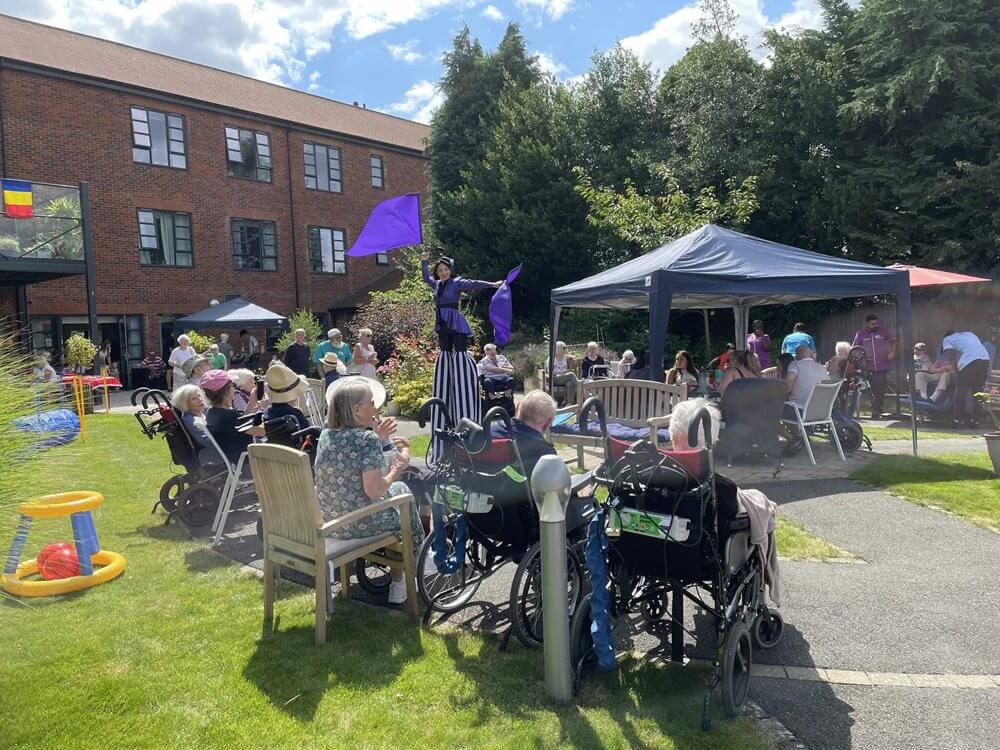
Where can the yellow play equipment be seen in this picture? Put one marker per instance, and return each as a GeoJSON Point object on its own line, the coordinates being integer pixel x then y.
{"type": "Point", "coordinates": [95, 565]}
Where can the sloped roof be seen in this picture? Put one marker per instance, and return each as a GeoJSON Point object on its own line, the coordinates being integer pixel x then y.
{"type": "Point", "coordinates": [46, 46]}
{"type": "Point", "coordinates": [717, 267]}
{"type": "Point", "coordinates": [232, 313]}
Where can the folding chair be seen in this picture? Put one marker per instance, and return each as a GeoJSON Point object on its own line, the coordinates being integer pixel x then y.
{"type": "Point", "coordinates": [817, 411]}
{"type": "Point", "coordinates": [295, 535]}
{"type": "Point", "coordinates": [234, 482]}
{"type": "Point", "coordinates": [314, 402]}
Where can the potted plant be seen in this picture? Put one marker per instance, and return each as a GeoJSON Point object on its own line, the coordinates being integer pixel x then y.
{"type": "Point", "coordinates": [79, 353]}
{"type": "Point", "coordinates": [990, 401]}
{"type": "Point", "coordinates": [526, 362]}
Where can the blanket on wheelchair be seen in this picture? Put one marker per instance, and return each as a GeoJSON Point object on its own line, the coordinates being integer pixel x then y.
{"type": "Point", "coordinates": [762, 526]}
{"type": "Point", "coordinates": [615, 430]}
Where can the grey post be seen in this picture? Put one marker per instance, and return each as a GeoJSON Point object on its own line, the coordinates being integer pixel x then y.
{"type": "Point", "coordinates": [550, 483]}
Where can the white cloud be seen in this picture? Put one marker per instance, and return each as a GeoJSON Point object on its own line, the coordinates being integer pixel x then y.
{"type": "Point", "coordinates": [314, 81]}
{"type": "Point", "coordinates": [268, 39]}
{"type": "Point", "coordinates": [554, 9]}
{"type": "Point", "coordinates": [493, 13]}
{"type": "Point", "coordinates": [406, 52]}
{"type": "Point", "coordinates": [419, 102]}
{"type": "Point", "coordinates": [548, 64]}
{"type": "Point", "coordinates": [670, 37]}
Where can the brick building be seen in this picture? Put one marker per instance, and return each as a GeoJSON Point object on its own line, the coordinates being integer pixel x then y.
{"type": "Point", "coordinates": [203, 184]}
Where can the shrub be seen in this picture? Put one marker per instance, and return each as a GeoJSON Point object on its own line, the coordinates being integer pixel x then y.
{"type": "Point", "coordinates": [305, 320]}
{"type": "Point", "coordinates": [527, 360]}
{"type": "Point", "coordinates": [413, 360]}
{"type": "Point", "coordinates": [199, 341]}
{"type": "Point", "coordinates": [79, 352]}
{"type": "Point", "coordinates": [411, 394]}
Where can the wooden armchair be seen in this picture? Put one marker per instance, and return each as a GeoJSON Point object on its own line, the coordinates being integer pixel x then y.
{"type": "Point", "coordinates": [295, 534]}
{"type": "Point", "coordinates": [633, 403]}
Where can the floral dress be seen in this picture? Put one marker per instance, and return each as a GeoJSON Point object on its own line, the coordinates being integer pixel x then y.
{"type": "Point", "coordinates": [341, 458]}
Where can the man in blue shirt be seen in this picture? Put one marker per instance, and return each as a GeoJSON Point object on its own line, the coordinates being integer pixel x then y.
{"type": "Point", "coordinates": [797, 338]}
{"type": "Point", "coordinates": [334, 343]}
{"type": "Point", "coordinates": [972, 360]}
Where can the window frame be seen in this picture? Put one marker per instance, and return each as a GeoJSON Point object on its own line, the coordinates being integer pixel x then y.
{"type": "Point", "coordinates": [381, 259]}
{"type": "Point", "coordinates": [306, 166]}
{"type": "Point", "coordinates": [148, 149]}
{"type": "Point", "coordinates": [319, 240]}
{"type": "Point", "coordinates": [159, 239]}
{"type": "Point", "coordinates": [381, 171]}
{"type": "Point", "coordinates": [256, 135]}
{"type": "Point", "coordinates": [260, 223]}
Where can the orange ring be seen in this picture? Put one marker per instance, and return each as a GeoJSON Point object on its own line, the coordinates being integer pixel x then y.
{"type": "Point", "coordinates": [112, 565]}
{"type": "Point", "coordinates": [61, 504]}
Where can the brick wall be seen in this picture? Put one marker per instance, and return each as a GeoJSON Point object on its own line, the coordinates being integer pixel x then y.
{"type": "Point", "coordinates": [63, 132]}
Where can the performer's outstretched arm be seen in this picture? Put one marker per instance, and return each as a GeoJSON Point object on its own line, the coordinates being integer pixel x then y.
{"type": "Point", "coordinates": [425, 267]}
{"type": "Point", "coordinates": [473, 285]}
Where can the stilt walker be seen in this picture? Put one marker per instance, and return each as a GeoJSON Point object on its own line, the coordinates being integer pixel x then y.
{"type": "Point", "coordinates": [456, 379]}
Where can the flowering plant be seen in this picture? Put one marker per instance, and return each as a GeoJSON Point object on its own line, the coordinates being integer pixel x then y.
{"type": "Point", "coordinates": [990, 401]}
{"type": "Point", "coordinates": [408, 373]}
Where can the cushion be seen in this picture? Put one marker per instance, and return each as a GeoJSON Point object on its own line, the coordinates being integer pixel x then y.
{"type": "Point", "coordinates": [339, 547]}
{"type": "Point", "coordinates": [615, 430]}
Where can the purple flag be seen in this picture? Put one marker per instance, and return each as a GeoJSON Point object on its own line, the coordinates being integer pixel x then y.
{"type": "Point", "coordinates": [502, 310]}
{"type": "Point", "coordinates": [394, 222]}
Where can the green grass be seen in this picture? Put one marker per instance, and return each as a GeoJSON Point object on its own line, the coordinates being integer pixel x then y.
{"type": "Point", "coordinates": [418, 445]}
{"type": "Point", "coordinates": [963, 484]}
{"type": "Point", "coordinates": [904, 433]}
{"type": "Point", "coordinates": [172, 654]}
{"type": "Point", "coordinates": [795, 543]}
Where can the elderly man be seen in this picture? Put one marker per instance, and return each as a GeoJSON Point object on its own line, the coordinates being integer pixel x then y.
{"type": "Point", "coordinates": [496, 369]}
{"type": "Point", "coordinates": [297, 354]}
{"type": "Point", "coordinates": [181, 354]}
{"type": "Point", "coordinates": [803, 375]}
{"type": "Point", "coordinates": [334, 343]}
{"type": "Point", "coordinates": [533, 418]}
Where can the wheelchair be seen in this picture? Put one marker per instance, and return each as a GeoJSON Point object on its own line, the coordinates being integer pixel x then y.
{"type": "Point", "coordinates": [485, 517]}
{"type": "Point", "coordinates": [494, 394]}
{"type": "Point", "coordinates": [669, 531]}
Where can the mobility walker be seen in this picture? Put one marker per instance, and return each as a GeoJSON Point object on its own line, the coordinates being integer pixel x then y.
{"type": "Point", "coordinates": [669, 531]}
{"type": "Point", "coordinates": [484, 517]}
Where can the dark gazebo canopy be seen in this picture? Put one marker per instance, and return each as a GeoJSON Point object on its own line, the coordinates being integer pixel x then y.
{"type": "Point", "coordinates": [233, 313]}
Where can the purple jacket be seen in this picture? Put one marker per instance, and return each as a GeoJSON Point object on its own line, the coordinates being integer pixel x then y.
{"type": "Point", "coordinates": [876, 344]}
{"type": "Point", "coordinates": [449, 293]}
{"type": "Point", "coordinates": [760, 345]}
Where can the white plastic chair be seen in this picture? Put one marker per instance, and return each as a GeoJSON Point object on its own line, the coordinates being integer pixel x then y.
{"type": "Point", "coordinates": [234, 482]}
{"type": "Point", "coordinates": [817, 411]}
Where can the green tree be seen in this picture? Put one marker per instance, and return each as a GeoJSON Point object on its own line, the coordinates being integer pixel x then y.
{"type": "Point", "coordinates": [305, 320]}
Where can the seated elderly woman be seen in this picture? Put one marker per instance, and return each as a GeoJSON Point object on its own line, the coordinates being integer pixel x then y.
{"type": "Point", "coordinates": [626, 364]}
{"type": "Point", "coordinates": [245, 391]}
{"type": "Point", "coordinates": [285, 388]}
{"type": "Point", "coordinates": [837, 365]}
{"type": "Point", "coordinates": [221, 417]}
{"type": "Point", "coordinates": [352, 470]}
{"type": "Point", "coordinates": [189, 400]}
{"type": "Point", "coordinates": [562, 371]}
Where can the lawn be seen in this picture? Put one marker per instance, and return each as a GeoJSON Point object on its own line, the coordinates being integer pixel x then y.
{"type": "Point", "coordinates": [172, 654]}
{"type": "Point", "coordinates": [796, 543]}
{"type": "Point", "coordinates": [904, 433]}
{"type": "Point", "coordinates": [962, 484]}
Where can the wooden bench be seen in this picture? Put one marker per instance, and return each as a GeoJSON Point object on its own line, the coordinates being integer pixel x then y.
{"type": "Point", "coordinates": [633, 403]}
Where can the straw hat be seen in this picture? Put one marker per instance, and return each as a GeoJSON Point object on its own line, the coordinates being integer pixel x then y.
{"type": "Point", "coordinates": [283, 385]}
{"type": "Point", "coordinates": [332, 360]}
{"type": "Point", "coordinates": [377, 389]}
{"type": "Point", "coordinates": [187, 367]}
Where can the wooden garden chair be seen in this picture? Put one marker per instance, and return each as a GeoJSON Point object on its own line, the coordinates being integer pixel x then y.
{"type": "Point", "coordinates": [295, 535]}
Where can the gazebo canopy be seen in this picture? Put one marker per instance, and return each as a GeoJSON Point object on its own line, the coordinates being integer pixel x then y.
{"type": "Point", "coordinates": [233, 313]}
{"type": "Point", "coordinates": [923, 277]}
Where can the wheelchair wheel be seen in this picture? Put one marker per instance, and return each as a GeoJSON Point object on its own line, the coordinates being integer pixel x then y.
{"type": "Point", "coordinates": [850, 434]}
{"type": "Point", "coordinates": [445, 592]}
{"type": "Point", "coordinates": [197, 506]}
{"type": "Point", "coordinates": [581, 643]}
{"type": "Point", "coordinates": [172, 489]}
{"type": "Point", "coordinates": [526, 593]}
{"type": "Point", "coordinates": [767, 628]}
{"type": "Point", "coordinates": [373, 577]}
{"type": "Point", "coordinates": [737, 659]}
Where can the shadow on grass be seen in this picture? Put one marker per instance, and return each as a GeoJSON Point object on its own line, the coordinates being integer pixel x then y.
{"type": "Point", "coordinates": [887, 470]}
{"type": "Point", "coordinates": [203, 560]}
{"type": "Point", "coordinates": [295, 674]}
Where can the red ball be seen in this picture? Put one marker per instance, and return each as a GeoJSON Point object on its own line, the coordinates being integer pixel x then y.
{"type": "Point", "coordinates": [58, 560]}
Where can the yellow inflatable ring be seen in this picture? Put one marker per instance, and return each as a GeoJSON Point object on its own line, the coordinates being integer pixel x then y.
{"type": "Point", "coordinates": [113, 565]}
{"type": "Point", "coordinates": [62, 504]}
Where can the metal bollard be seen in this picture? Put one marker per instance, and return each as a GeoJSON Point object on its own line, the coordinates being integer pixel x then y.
{"type": "Point", "coordinates": [550, 483]}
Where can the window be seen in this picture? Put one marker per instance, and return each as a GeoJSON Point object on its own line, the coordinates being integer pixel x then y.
{"type": "Point", "coordinates": [158, 138]}
{"type": "Point", "coordinates": [133, 336]}
{"type": "Point", "coordinates": [382, 259]}
{"type": "Point", "coordinates": [254, 246]}
{"type": "Point", "coordinates": [164, 238]}
{"type": "Point", "coordinates": [248, 154]}
{"type": "Point", "coordinates": [327, 251]}
{"type": "Point", "coordinates": [378, 172]}
{"type": "Point", "coordinates": [322, 167]}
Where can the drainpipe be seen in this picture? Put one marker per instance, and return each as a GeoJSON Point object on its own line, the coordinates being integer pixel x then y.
{"type": "Point", "coordinates": [3, 142]}
{"type": "Point", "coordinates": [291, 207]}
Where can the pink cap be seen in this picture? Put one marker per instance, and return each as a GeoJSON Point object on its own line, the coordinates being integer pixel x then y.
{"type": "Point", "coordinates": [215, 380]}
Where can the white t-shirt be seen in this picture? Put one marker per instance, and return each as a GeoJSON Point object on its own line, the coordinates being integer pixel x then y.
{"type": "Point", "coordinates": [808, 372]}
{"type": "Point", "coordinates": [968, 346]}
{"type": "Point", "coordinates": [179, 356]}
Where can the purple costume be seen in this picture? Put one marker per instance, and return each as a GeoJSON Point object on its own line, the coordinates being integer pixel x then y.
{"type": "Point", "coordinates": [446, 297]}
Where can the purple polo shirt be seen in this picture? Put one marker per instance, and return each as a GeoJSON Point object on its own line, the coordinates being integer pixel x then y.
{"type": "Point", "coordinates": [876, 344]}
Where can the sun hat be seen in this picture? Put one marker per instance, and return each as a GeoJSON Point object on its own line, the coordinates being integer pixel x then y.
{"type": "Point", "coordinates": [215, 380]}
{"type": "Point", "coordinates": [332, 360]}
{"type": "Point", "coordinates": [377, 389]}
{"type": "Point", "coordinates": [283, 384]}
{"type": "Point", "coordinates": [187, 367]}
{"type": "Point", "coordinates": [921, 346]}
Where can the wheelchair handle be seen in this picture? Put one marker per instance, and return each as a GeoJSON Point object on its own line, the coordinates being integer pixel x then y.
{"type": "Point", "coordinates": [424, 415]}
{"type": "Point", "coordinates": [498, 413]}
{"type": "Point", "coordinates": [159, 398]}
{"type": "Point", "coordinates": [137, 394]}
{"type": "Point", "coordinates": [704, 420]}
{"type": "Point", "coordinates": [583, 420]}
{"type": "Point", "coordinates": [249, 420]}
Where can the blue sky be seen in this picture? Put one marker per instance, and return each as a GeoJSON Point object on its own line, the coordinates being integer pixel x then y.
{"type": "Point", "coordinates": [386, 53]}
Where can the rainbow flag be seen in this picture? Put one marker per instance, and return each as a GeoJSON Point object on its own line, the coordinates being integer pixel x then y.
{"type": "Point", "coordinates": [17, 199]}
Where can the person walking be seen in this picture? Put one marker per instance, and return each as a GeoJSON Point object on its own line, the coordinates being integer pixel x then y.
{"type": "Point", "coordinates": [879, 344]}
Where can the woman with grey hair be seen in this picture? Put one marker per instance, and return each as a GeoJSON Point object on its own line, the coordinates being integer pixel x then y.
{"type": "Point", "coordinates": [680, 421]}
{"type": "Point", "coordinates": [364, 356]}
{"type": "Point", "coordinates": [562, 372]}
{"type": "Point", "coordinates": [189, 400]}
{"type": "Point", "coordinates": [352, 471]}
{"type": "Point", "coordinates": [180, 354]}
